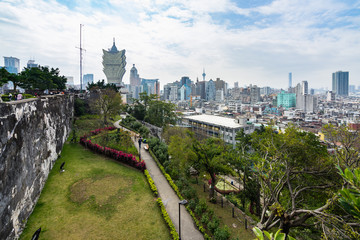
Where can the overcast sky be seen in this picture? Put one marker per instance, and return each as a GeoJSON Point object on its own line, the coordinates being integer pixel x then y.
{"type": "Point", "coordinates": [249, 41]}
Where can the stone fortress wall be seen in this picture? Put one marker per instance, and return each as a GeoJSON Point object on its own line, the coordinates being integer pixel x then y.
{"type": "Point", "coordinates": [32, 134]}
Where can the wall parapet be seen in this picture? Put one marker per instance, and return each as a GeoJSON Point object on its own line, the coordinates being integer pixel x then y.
{"type": "Point", "coordinates": [32, 134]}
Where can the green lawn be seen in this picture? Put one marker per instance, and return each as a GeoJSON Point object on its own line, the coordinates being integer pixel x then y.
{"type": "Point", "coordinates": [95, 198]}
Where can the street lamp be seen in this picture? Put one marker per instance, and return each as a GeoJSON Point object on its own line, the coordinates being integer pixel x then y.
{"type": "Point", "coordinates": [182, 202]}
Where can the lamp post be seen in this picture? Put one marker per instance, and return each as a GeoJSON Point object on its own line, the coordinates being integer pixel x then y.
{"type": "Point", "coordinates": [182, 202]}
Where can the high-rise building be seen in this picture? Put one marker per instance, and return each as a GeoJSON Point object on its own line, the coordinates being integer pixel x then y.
{"type": "Point", "coordinates": [330, 96]}
{"type": "Point", "coordinates": [236, 84]}
{"type": "Point", "coordinates": [221, 85]}
{"type": "Point", "coordinates": [304, 87]}
{"type": "Point", "coordinates": [352, 88]}
{"type": "Point", "coordinates": [114, 63]}
{"type": "Point", "coordinates": [340, 83]}
{"type": "Point", "coordinates": [290, 80]}
{"type": "Point", "coordinates": [150, 86]}
{"type": "Point", "coordinates": [210, 91]}
{"type": "Point", "coordinates": [304, 101]}
{"type": "Point", "coordinates": [254, 94]}
{"type": "Point", "coordinates": [134, 77]}
{"type": "Point", "coordinates": [31, 64]}
{"type": "Point", "coordinates": [286, 100]}
{"type": "Point", "coordinates": [12, 64]}
{"type": "Point", "coordinates": [185, 80]}
{"type": "Point", "coordinates": [87, 79]}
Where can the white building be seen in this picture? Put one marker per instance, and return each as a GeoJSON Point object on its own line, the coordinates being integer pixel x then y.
{"type": "Point", "coordinates": [217, 126]}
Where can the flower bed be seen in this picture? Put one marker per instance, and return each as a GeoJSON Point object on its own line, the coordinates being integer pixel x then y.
{"type": "Point", "coordinates": [120, 156]}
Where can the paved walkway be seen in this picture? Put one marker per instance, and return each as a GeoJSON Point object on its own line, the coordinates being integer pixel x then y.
{"type": "Point", "coordinates": [171, 201]}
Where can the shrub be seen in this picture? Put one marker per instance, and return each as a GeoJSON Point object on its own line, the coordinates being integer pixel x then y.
{"type": "Point", "coordinates": [167, 219]}
{"type": "Point", "coordinates": [192, 203]}
{"type": "Point", "coordinates": [222, 233]}
{"type": "Point", "coordinates": [213, 225]}
{"type": "Point", "coordinates": [189, 193]}
{"type": "Point", "coordinates": [205, 219]}
{"type": "Point", "coordinates": [201, 207]}
{"type": "Point", "coordinates": [120, 156]}
{"type": "Point", "coordinates": [151, 183]}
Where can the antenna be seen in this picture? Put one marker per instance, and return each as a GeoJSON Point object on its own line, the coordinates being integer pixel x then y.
{"type": "Point", "coordinates": [80, 60]}
{"type": "Point", "coordinates": [81, 50]}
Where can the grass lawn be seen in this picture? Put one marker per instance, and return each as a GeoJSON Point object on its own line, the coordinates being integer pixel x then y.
{"type": "Point", "coordinates": [95, 198]}
{"type": "Point", "coordinates": [117, 139]}
{"type": "Point", "coordinates": [236, 227]}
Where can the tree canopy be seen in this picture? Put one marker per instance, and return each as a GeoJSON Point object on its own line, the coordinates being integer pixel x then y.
{"type": "Point", "coordinates": [36, 78]}
{"type": "Point", "coordinates": [148, 108]}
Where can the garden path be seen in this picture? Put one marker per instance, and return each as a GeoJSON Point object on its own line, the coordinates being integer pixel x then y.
{"type": "Point", "coordinates": [169, 198]}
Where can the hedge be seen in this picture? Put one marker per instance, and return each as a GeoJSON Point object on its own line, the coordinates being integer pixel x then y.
{"type": "Point", "coordinates": [119, 156]}
{"type": "Point", "coordinates": [167, 219]}
{"type": "Point", "coordinates": [151, 183]}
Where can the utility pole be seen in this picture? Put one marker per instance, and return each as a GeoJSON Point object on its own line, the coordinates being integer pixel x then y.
{"type": "Point", "coordinates": [80, 60]}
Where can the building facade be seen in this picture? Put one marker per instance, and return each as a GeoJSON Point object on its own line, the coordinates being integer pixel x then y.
{"type": "Point", "coordinates": [286, 100]}
{"type": "Point", "coordinates": [114, 63]}
{"type": "Point", "coordinates": [12, 64]}
{"type": "Point", "coordinates": [87, 79]}
{"type": "Point", "coordinates": [150, 86]}
{"type": "Point", "coordinates": [31, 64]}
{"type": "Point", "coordinates": [340, 83]}
{"type": "Point", "coordinates": [215, 126]}
{"type": "Point", "coordinates": [134, 77]}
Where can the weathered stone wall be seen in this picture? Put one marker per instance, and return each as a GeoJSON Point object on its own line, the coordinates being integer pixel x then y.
{"type": "Point", "coordinates": [32, 134]}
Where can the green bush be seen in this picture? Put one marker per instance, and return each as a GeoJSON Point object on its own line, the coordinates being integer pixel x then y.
{"type": "Point", "coordinates": [151, 183]}
{"type": "Point", "coordinates": [205, 219]}
{"type": "Point", "coordinates": [5, 98]}
{"type": "Point", "coordinates": [192, 203]}
{"type": "Point", "coordinates": [25, 96]}
{"type": "Point", "coordinates": [201, 207]}
{"type": "Point", "coordinates": [189, 192]}
{"type": "Point", "coordinates": [167, 219]}
{"type": "Point", "coordinates": [222, 233]}
{"type": "Point", "coordinates": [136, 125]}
{"type": "Point", "coordinates": [213, 225]}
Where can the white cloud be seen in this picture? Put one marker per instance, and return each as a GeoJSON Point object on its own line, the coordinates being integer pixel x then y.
{"type": "Point", "coordinates": [168, 40]}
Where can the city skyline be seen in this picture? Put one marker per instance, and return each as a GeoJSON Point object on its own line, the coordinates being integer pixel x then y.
{"type": "Point", "coordinates": [250, 42]}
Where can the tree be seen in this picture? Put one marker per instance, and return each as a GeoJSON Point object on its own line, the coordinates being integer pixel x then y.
{"type": "Point", "coordinates": [3, 76]}
{"type": "Point", "coordinates": [101, 85]}
{"type": "Point", "coordinates": [160, 113]}
{"type": "Point", "coordinates": [42, 78]}
{"type": "Point", "coordinates": [180, 150]}
{"type": "Point", "coordinates": [240, 160]}
{"type": "Point", "coordinates": [209, 159]}
{"type": "Point", "coordinates": [346, 143]}
{"type": "Point", "coordinates": [296, 176]}
{"type": "Point", "coordinates": [106, 102]}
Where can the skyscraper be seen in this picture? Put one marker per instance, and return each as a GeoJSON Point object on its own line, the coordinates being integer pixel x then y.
{"type": "Point", "coordinates": [31, 64]}
{"type": "Point", "coordinates": [290, 80]}
{"type": "Point", "coordinates": [134, 76]}
{"type": "Point", "coordinates": [88, 78]}
{"type": "Point", "coordinates": [12, 64]}
{"type": "Point", "coordinates": [210, 91]}
{"type": "Point", "coordinates": [151, 86]}
{"type": "Point", "coordinates": [340, 83]}
{"type": "Point", "coordinates": [114, 63]}
{"type": "Point", "coordinates": [304, 87]}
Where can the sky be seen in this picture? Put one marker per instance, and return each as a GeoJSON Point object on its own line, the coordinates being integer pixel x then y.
{"type": "Point", "coordinates": [247, 41]}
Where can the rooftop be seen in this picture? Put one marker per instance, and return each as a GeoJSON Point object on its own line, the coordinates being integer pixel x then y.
{"type": "Point", "coordinates": [215, 120]}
